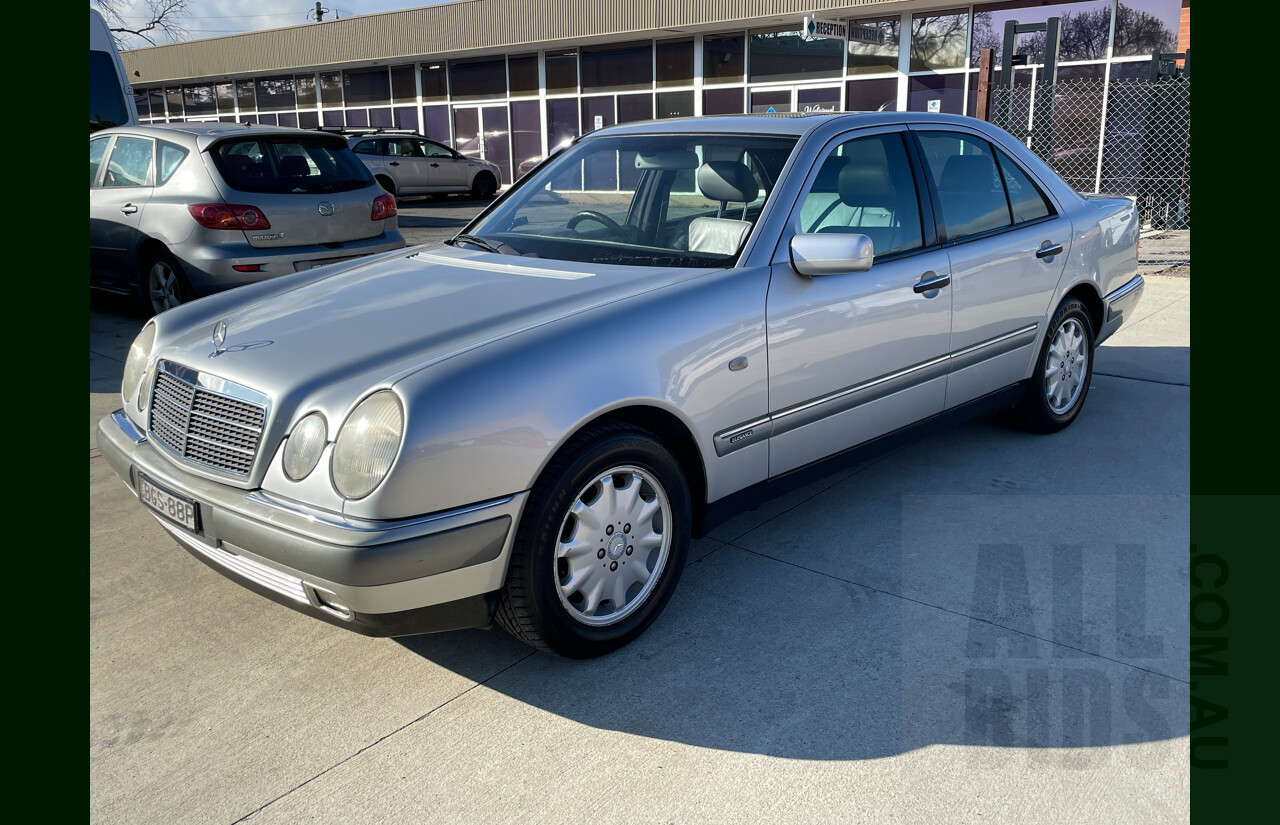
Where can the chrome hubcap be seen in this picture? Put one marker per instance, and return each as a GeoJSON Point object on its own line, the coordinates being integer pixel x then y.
{"type": "Point", "coordinates": [613, 545]}
{"type": "Point", "coordinates": [1066, 365]}
{"type": "Point", "coordinates": [163, 286]}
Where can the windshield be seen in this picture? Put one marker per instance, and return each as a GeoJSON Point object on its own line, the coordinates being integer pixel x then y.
{"type": "Point", "coordinates": [641, 200]}
{"type": "Point", "coordinates": [298, 164]}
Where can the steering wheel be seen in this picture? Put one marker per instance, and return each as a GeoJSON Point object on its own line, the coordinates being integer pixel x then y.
{"type": "Point", "coordinates": [592, 215]}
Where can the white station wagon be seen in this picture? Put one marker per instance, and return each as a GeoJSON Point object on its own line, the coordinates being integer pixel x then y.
{"type": "Point", "coordinates": [664, 322]}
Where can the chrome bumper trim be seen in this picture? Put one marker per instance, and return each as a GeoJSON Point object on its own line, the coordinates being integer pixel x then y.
{"type": "Point", "coordinates": [287, 586]}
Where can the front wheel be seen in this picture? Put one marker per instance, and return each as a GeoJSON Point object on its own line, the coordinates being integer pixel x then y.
{"type": "Point", "coordinates": [601, 544]}
{"type": "Point", "coordinates": [484, 186]}
{"type": "Point", "coordinates": [1062, 375]}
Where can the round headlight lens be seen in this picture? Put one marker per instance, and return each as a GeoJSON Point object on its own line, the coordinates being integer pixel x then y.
{"type": "Point", "coordinates": [306, 443]}
{"type": "Point", "coordinates": [367, 445]}
{"type": "Point", "coordinates": [136, 363]}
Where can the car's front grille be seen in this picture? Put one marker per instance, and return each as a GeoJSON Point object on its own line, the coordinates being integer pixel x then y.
{"type": "Point", "coordinates": [208, 427]}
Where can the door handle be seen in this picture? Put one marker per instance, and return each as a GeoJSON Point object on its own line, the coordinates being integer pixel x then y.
{"type": "Point", "coordinates": [435, 165]}
{"type": "Point", "coordinates": [1049, 250]}
{"type": "Point", "coordinates": [394, 163]}
{"type": "Point", "coordinates": [128, 209]}
{"type": "Point", "coordinates": [935, 282]}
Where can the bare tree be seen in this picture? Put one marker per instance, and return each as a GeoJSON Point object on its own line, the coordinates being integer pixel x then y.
{"type": "Point", "coordinates": [144, 20]}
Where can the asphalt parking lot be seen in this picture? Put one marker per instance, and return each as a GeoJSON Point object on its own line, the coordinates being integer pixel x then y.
{"type": "Point", "coordinates": [983, 626]}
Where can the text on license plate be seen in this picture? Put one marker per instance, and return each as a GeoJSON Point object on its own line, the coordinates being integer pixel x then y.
{"type": "Point", "coordinates": [179, 509]}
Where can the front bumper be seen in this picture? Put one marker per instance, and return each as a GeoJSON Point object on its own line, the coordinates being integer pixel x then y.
{"type": "Point", "coordinates": [1119, 304]}
{"type": "Point", "coordinates": [392, 578]}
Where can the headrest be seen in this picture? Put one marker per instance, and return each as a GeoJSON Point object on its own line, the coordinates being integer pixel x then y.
{"type": "Point", "coordinates": [867, 184]}
{"type": "Point", "coordinates": [967, 173]}
{"type": "Point", "coordinates": [727, 180]}
{"type": "Point", "coordinates": [294, 166]}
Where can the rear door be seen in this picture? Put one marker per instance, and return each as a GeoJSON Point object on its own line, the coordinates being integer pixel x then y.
{"type": "Point", "coordinates": [121, 184]}
{"type": "Point", "coordinates": [311, 188]}
{"type": "Point", "coordinates": [1007, 243]}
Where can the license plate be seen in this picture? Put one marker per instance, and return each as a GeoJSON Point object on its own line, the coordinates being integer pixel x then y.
{"type": "Point", "coordinates": [175, 508]}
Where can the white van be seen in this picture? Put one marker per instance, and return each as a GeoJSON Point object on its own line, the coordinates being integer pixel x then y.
{"type": "Point", "coordinates": [110, 95]}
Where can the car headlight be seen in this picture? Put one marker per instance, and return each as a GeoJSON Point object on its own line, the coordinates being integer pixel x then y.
{"type": "Point", "coordinates": [367, 445]}
{"type": "Point", "coordinates": [303, 448]}
{"type": "Point", "coordinates": [136, 363]}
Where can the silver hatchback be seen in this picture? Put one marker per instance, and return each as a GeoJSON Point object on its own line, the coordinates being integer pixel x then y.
{"type": "Point", "coordinates": [183, 210]}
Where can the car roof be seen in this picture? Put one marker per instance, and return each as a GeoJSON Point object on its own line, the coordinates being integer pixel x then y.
{"type": "Point", "coordinates": [204, 134]}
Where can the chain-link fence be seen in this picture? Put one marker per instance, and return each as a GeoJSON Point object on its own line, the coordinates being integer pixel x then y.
{"type": "Point", "coordinates": [1131, 138]}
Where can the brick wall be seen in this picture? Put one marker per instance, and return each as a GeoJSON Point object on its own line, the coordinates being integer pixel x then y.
{"type": "Point", "coordinates": [1184, 28]}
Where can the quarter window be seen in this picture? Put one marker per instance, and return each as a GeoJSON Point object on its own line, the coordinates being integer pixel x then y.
{"type": "Point", "coordinates": [169, 158]}
{"type": "Point", "coordinates": [1025, 198]}
{"type": "Point", "coordinates": [865, 187]}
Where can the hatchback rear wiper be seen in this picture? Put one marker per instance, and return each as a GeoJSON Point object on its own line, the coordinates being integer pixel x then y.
{"type": "Point", "coordinates": [476, 241]}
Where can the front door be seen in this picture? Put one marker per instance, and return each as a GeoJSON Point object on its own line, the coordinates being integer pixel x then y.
{"type": "Point", "coordinates": [116, 204]}
{"type": "Point", "coordinates": [855, 355]}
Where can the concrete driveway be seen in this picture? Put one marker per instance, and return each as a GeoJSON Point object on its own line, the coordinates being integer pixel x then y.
{"type": "Point", "coordinates": [983, 626]}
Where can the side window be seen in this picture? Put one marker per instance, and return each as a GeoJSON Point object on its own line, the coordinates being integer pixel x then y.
{"type": "Point", "coordinates": [865, 187]}
{"type": "Point", "coordinates": [366, 147]}
{"type": "Point", "coordinates": [168, 158]}
{"type": "Point", "coordinates": [97, 150]}
{"type": "Point", "coordinates": [969, 188]}
{"type": "Point", "coordinates": [1025, 198]}
{"type": "Point", "coordinates": [435, 150]}
{"type": "Point", "coordinates": [129, 163]}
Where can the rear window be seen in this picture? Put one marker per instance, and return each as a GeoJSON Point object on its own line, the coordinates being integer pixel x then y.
{"type": "Point", "coordinates": [284, 164]}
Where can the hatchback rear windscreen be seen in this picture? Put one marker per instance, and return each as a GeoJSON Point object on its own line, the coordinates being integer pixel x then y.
{"type": "Point", "coordinates": [286, 164]}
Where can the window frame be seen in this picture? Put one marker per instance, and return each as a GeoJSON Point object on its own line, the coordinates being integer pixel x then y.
{"type": "Point", "coordinates": [148, 180]}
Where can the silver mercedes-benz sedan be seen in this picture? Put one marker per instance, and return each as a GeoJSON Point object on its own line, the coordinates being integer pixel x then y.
{"type": "Point", "coordinates": [664, 322]}
{"type": "Point", "coordinates": [182, 210]}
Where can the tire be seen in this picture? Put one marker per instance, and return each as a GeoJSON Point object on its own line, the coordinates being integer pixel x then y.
{"type": "Point", "coordinates": [601, 544]}
{"type": "Point", "coordinates": [1063, 372]}
{"type": "Point", "coordinates": [484, 186]}
{"type": "Point", "coordinates": [163, 285]}
{"type": "Point", "coordinates": [386, 183]}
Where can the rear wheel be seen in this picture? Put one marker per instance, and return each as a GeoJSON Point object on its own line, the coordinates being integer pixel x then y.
{"type": "Point", "coordinates": [484, 186]}
{"type": "Point", "coordinates": [601, 544]}
{"type": "Point", "coordinates": [1062, 375]}
{"type": "Point", "coordinates": [163, 284]}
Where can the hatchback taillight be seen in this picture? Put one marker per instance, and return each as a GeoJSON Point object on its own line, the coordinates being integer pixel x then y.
{"type": "Point", "coordinates": [384, 206]}
{"type": "Point", "coordinates": [228, 216]}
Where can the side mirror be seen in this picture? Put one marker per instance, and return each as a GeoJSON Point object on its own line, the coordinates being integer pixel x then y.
{"type": "Point", "coordinates": [831, 254]}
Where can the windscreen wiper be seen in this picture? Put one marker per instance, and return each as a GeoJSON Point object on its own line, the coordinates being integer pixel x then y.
{"type": "Point", "coordinates": [476, 241]}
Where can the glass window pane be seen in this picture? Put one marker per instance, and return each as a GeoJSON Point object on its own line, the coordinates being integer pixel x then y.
{"type": "Point", "coordinates": [407, 118]}
{"type": "Point", "coordinates": [722, 102]}
{"type": "Point", "coordinates": [198, 101]}
{"type": "Point", "coordinates": [784, 54]}
{"type": "Point", "coordinates": [526, 135]}
{"type": "Point", "coordinates": [381, 118]}
{"type": "Point", "coordinates": [1025, 198]}
{"type": "Point", "coordinates": [675, 104]}
{"type": "Point", "coordinates": [366, 87]}
{"type": "Point", "coordinates": [157, 100]}
{"type": "Point", "coordinates": [938, 39]}
{"type": "Point", "coordinates": [140, 102]}
{"type": "Point", "coordinates": [358, 118]}
{"type": "Point", "coordinates": [865, 187]}
{"type": "Point", "coordinates": [288, 119]}
{"type": "Point", "coordinates": [435, 83]}
{"type": "Point", "coordinates": [275, 94]}
{"type": "Point", "coordinates": [309, 119]}
{"type": "Point", "coordinates": [944, 91]}
{"type": "Point", "coordinates": [1143, 26]}
{"type": "Point", "coordinates": [478, 79]}
{"type": "Point", "coordinates": [635, 107]}
{"type": "Point", "coordinates": [562, 72]}
{"type": "Point", "coordinates": [331, 89]}
{"type": "Point", "coordinates": [825, 99]}
{"type": "Point", "coordinates": [770, 102]}
{"type": "Point", "coordinates": [969, 188]}
{"type": "Point", "coordinates": [168, 158]}
{"type": "Point", "coordinates": [269, 119]}
{"type": "Point", "coordinates": [305, 85]}
{"type": "Point", "coordinates": [873, 45]}
{"type": "Point", "coordinates": [404, 84]}
{"type": "Point", "coordinates": [226, 94]}
{"type": "Point", "coordinates": [245, 96]}
{"type": "Point", "coordinates": [435, 123]}
{"type": "Point", "coordinates": [722, 59]}
{"type": "Point", "coordinates": [1086, 28]}
{"type": "Point", "coordinates": [522, 74]}
{"type": "Point", "coordinates": [174, 99]}
{"type": "Point", "coordinates": [562, 123]}
{"type": "Point", "coordinates": [875, 95]}
{"type": "Point", "coordinates": [624, 66]}
{"type": "Point", "coordinates": [129, 163]}
{"type": "Point", "coordinates": [332, 118]}
{"type": "Point", "coordinates": [675, 62]}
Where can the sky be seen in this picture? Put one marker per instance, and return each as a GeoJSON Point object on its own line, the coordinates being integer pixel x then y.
{"type": "Point", "coordinates": [215, 18]}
